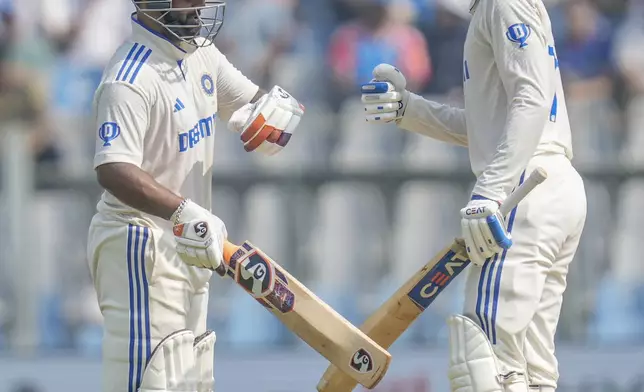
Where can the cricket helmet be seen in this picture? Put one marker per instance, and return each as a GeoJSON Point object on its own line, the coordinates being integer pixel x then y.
{"type": "Point", "coordinates": [185, 21]}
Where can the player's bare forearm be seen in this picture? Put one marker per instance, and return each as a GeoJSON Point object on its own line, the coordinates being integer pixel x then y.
{"type": "Point", "coordinates": [136, 188]}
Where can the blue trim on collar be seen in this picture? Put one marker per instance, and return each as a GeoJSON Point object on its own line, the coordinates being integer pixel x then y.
{"type": "Point", "coordinates": [155, 33]}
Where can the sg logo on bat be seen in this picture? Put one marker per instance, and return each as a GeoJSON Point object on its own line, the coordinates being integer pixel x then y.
{"type": "Point", "coordinates": [436, 279]}
{"type": "Point", "coordinates": [362, 361]}
{"type": "Point", "coordinates": [256, 276]}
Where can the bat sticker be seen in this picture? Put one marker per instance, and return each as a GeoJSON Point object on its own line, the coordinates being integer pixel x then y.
{"type": "Point", "coordinates": [261, 279]}
{"type": "Point", "coordinates": [434, 281]}
{"type": "Point", "coordinates": [361, 361]}
{"type": "Point", "coordinates": [256, 275]}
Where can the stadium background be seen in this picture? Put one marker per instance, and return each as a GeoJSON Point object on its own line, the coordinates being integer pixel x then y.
{"type": "Point", "coordinates": [346, 208]}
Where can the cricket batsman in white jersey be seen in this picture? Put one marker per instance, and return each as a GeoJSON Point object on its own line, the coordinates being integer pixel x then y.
{"type": "Point", "coordinates": [155, 112]}
{"type": "Point", "coordinates": [514, 120]}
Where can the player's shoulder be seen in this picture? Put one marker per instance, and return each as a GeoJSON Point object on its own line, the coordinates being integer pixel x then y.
{"type": "Point", "coordinates": [517, 19]}
{"type": "Point", "coordinates": [132, 64]}
{"type": "Point", "coordinates": [208, 52]}
{"type": "Point", "coordinates": [512, 7]}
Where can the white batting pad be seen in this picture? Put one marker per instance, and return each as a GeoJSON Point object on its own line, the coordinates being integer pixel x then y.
{"type": "Point", "coordinates": [204, 354]}
{"type": "Point", "coordinates": [171, 365]}
{"type": "Point", "coordinates": [472, 363]}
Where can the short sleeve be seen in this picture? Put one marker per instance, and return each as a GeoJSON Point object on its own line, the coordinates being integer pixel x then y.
{"type": "Point", "coordinates": [121, 123]}
{"type": "Point", "coordinates": [234, 90]}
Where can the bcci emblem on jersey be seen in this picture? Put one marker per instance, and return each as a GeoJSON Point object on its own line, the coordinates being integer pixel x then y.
{"type": "Point", "coordinates": [519, 33]}
{"type": "Point", "coordinates": [207, 84]}
{"type": "Point", "coordinates": [108, 132]}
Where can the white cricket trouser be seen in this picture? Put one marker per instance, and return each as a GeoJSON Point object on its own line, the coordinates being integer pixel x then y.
{"type": "Point", "coordinates": [517, 296]}
{"type": "Point", "coordinates": [145, 292]}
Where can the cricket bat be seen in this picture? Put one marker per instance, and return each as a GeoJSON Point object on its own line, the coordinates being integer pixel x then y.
{"type": "Point", "coordinates": [392, 319]}
{"type": "Point", "coordinates": [357, 356]}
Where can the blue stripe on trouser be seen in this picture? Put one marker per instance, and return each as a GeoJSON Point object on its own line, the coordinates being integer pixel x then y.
{"type": "Point", "coordinates": [139, 305]}
{"type": "Point", "coordinates": [479, 297]}
{"type": "Point", "coordinates": [493, 270]}
{"type": "Point", "coordinates": [488, 289]}
{"type": "Point", "coordinates": [131, 287]}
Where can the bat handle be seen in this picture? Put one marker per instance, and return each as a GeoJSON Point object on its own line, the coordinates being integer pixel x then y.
{"type": "Point", "coordinates": [229, 250]}
{"type": "Point", "coordinates": [538, 176]}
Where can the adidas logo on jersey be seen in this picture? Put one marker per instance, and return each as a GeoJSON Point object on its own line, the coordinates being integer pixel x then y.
{"type": "Point", "coordinates": [178, 105]}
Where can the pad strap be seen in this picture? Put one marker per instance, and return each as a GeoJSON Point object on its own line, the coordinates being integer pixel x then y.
{"type": "Point", "coordinates": [204, 353]}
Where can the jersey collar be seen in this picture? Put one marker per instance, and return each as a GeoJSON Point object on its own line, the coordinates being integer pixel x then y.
{"type": "Point", "coordinates": [473, 5]}
{"type": "Point", "coordinates": [163, 44]}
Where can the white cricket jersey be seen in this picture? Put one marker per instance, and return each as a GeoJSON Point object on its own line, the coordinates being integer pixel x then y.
{"type": "Point", "coordinates": [156, 108]}
{"type": "Point", "coordinates": [514, 100]}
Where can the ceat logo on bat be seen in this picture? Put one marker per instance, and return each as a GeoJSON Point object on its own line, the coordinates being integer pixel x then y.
{"type": "Point", "coordinates": [361, 361]}
{"type": "Point", "coordinates": [434, 281]}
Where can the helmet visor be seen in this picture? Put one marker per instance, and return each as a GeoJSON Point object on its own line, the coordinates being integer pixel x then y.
{"type": "Point", "coordinates": [186, 24]}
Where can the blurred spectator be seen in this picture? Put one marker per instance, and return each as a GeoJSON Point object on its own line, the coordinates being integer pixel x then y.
{"type": "Point", "coordinates": [22, 104]}
{"type": "Point", "coordinates": [584, 52]}
{"type": "Point", "coordinates": [87, 31]}
{"type": "Point", "coordinates": [584, 58]}
{"type": "Point", "coordinates": [26, 387]}
{"type": "Point", "coordinates": [629, 61]}
{"type": "Point", "coordinates": [446, 37]}
{"type": "Point", "coordinates": [272, 42]}
{"type": "Point", "coordinates": [7, 23]}
{"type": "Point", "coordinates": [373, 38]}
{"type": "Point", "coordinates": [256, 33]}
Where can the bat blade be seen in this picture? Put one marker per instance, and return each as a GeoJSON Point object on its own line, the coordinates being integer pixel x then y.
{"type": "Point", "coordinates": [395, 316]}
{"type": "Point", "coordinates": [355, 354]}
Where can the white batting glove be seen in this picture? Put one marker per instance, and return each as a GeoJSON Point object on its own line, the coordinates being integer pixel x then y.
{"type": "Point", "coordinates": [200, 236]}
{"type": "Point", "coordinates": [385, 97]}
{"type": "Point", "coordinates": [267, 125]}
{"type": "Point", "coordinates": [483, 229]}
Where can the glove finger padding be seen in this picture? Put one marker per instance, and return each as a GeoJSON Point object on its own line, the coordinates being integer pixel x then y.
{"type": "Point", "coordinates": [385, 97]}
{"type": "Point", "coordinates": [472, 248]}
{"type": "Point", "coordinates": [381, 108]}
{"type": "Point", "coordinates": [383, 117]}
{"type": "Point", "coordinates": [479, 241]}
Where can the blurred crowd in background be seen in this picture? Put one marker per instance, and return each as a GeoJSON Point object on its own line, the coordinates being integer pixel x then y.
{"type": "Point", "coordinates": [353, 243]}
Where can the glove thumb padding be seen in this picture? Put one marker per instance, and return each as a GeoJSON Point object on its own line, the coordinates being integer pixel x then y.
{"type": "Point", "coordinates": [387, 72]}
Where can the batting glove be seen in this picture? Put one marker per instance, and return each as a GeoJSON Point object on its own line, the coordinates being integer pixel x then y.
{"type": "Point", "coordinates": [200, 236]}
{"type": "Point", "coordinates": [385, 96]}
{"type": "Point", "coordinates": [268, 124]}
{"type": "Point", "coordinates": [483, 229]}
